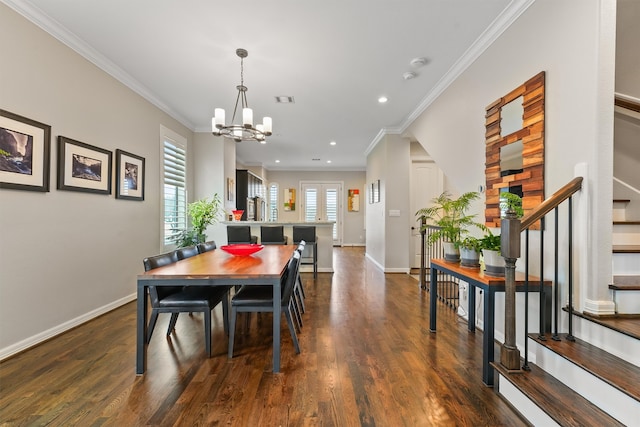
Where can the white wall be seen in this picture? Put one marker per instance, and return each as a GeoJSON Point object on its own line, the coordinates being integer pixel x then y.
{"type": "Point", "coordinates": [66, 256]}
{"type": "Point", "coordinates": [575, 49]}
{"type": "Point", "coordinates": [353, 228]}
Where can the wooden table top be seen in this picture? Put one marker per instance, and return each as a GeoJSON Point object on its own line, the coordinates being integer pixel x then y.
{"type": "Point", "coordinates": [268, 263]}
{"type": "Point", "coordinates": [479, 276]}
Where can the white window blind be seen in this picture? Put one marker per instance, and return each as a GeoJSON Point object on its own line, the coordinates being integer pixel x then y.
{"type": "Point", "coordinates": [311, 205]}
{"type": "Point", "coordinates": [331, 208]}
{"type": "Point", "coordinates": [273, 202]}
{"type": "Point", "coordinates": [174, 172]}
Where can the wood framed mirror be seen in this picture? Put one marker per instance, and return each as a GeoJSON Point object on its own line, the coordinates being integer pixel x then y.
{"type": "Point", "coordinates": [514, 138]}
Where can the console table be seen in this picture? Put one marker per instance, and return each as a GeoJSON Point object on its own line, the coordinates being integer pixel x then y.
{"type": "Point", "coordinates": [490, 285]}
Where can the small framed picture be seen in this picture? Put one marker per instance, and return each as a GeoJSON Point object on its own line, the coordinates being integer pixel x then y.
{"type": "Point", "coordinates": [231, 187]}
{"type": "Point", "coordinates": [24, 153]}
{"type": "Point", "coordinates": [83, 167]}
{"type": "Point", "coordinates": [129, 176]}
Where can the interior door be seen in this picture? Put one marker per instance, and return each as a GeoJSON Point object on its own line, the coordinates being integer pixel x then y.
{"type": "Point", "coordinates": [426, 183]}
{"type": "Point", "coordinates": [322, 201]}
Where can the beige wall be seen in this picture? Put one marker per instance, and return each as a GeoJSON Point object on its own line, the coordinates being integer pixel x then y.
{"type": "Point", "coordinates": [68, 256]}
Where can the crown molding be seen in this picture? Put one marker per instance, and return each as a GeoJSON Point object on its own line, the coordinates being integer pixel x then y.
{"type": "Point", "coordinates": [56, 30]}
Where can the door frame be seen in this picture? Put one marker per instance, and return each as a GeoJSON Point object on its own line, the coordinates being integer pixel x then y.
{"type": "Point", "coordinates": [340, 219]}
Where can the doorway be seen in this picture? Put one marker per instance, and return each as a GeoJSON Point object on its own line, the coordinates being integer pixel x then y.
{"type": "Point", "coordinates": [322, 201]}
{"type": "Point", "coordinates": [426, 184]}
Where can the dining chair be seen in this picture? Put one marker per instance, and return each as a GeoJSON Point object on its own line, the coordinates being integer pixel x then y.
{"type": "Point", "coordinates": [257, 299]}
{"type": "Point", "coordinates": [178, 299]}
{"type": "Point", "coordinates": [272, 235]}
{"type": "Point", "coordinates": [206, 246]}
{"type": "Point", "coordinates": [240, 234]}
{"type": "Point", "coordinates": [187, 252]}
{"type": "Point", "coordinates": [298, 290]}
{"type": "Point", "coordinates": [308, 234]}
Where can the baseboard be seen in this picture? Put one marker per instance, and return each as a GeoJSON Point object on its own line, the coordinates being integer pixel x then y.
{"type": "Point", "coordinates": [63, 327]}
{"type": "Point", "coordinates": [599, 308]}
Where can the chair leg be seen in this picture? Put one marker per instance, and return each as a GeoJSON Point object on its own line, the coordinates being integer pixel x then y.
{"type": "Point", "coordinates": [225, 313]}
{"type": "Point", "coordinates": [232, 331]}
{"type": "Point", "coordinates": [152, 324]}
{"type": "Point", "coordinates": [207, 331]}
{"type": "Point", "coordinates": [292, 329]}
{"type": "Point", "coordinates": [172, 323]}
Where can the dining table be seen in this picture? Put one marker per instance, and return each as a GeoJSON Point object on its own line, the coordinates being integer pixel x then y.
{"type": "Point", "coordinates": [216, 268]}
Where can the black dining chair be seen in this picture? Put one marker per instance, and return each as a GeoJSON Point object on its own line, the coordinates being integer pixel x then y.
{"type": "Point", "coordinates": [206, 246]}
{"type": "Point", "coordinates": [258, 299]}
{"type": "Point", "coordinates": [308, 234]}
{"type": "Point", "coordinates": [240, 234]}
{"type": "Point", "coordinates": [187, 252]}
{"type": "Point", "coordinates": [178, 299]}
{"type": "Point", "coordinates": [272, 235]}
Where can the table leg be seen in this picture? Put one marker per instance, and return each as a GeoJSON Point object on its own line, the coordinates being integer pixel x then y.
{"type": "Point", "coordinates": [488, 337]}
{"type": "Point", "coordinates": [433, 294]}
{"type": "Point", "coordinates": [277, 315]}
{"type": "Point", "coordinates": [141, 330]}
{"type": "Point", "coordinates": [471, 309]}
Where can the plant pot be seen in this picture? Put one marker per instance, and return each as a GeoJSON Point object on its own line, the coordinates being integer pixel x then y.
{"type": "Point", "coordinates": [493, 262]}
{"type": "Point", "coordinates": [451, 253]}
{"type": "Point", "coordinates": [469, 258]}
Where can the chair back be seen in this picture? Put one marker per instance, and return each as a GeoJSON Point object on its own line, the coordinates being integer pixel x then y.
{"type": "Point", "coordinates": [206, 246]}
{"type": "Point", "coordinates": [290, 278]}
{"type": "Point", "coordinates": [187, 252]}
{"type": "Point", "coordinates": [159, 292]}
{"type": "Point", "coordinates": [272, 234]}
{"type": "Point", "coordinates": [304, 232]}
{"type": "Point", "coordinates": [238, 234]}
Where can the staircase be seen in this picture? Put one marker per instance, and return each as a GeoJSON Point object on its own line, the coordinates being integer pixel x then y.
{"type": "Point", "coordinates": [626, 260]}
{"type": "Point", "coordinates": [593, 377]}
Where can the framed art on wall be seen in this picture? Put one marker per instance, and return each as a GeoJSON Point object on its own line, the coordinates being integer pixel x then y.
{"type": "Point", "coordinates": [83, 167]}
{"type": "Point", "coordinates": [130, 176]}
{"type": "Point", "coordinates": [24, 153]}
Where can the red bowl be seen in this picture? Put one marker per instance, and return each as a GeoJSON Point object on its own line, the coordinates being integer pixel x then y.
{"type": "Point", "coordinates": [242, 249]}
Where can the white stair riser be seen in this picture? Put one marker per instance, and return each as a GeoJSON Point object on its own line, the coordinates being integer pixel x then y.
{"type": "Point", "coordinates": [616, 403]}
{"type": "Point", "coordinates": [529, 410]}
{"type": "Point", "coordinates": [626, 264]}
{"type": "Point", "coordinates": [627, 302]}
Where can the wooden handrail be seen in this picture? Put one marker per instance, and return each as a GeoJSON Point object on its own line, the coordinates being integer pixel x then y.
{"type": "Point", "coordinates": [628, 104]}
{"type": "Point", "coordinates": [552, 202]}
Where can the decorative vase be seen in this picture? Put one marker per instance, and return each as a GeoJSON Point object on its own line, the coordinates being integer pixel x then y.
{"type": "Point", "coordinates": [451, 253]}
{"type": "Point", "coordinates": [493, 262]}
{"type": "Point", "coordinates": [469, 258]}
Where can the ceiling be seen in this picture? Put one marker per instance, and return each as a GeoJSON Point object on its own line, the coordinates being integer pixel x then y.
{"type": "Point", "coordinates": [336, 58]}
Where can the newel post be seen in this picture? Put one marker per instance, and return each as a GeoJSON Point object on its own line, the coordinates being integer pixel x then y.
{"type": "Point", "coordinates": [510, 249]}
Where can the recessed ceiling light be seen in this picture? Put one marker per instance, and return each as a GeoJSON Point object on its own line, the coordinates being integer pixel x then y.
{"type": "Point", "coordinates": [409, 75]}
{"type": "Point", "coordinates": [277, 161]}
{"type": "Point", "coordinates": [285, 100]}
{"type": "Point", "coordinates": [328, 161]}
{"type": "Point", "coordinates": [382, 99]}
{"type": "Point", "coordinates": [332, 143]}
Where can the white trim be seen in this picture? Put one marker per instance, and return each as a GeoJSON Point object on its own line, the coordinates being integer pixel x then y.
{"type": "Point", "coordinates": [630, 187]}
{"type": "Point", "coordinates": [599, 308]}
{"type": "Point", "coordinates": [63, 327]}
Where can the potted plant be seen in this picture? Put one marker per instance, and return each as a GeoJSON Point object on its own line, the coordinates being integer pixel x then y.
{"type": "Point", "coordinates": [470, 248]}
{"type": "Point", "coordinates": [491, 244]}
{"type": "Point", "coordinates": [202, 213]}
{"type": "Point", "coordinates": [450, 215]}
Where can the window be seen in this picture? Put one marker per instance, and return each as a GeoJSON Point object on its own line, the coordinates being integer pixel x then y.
{"type": "Point", "coordinates": [174, 198]}
{"type": "Point", "coordinates": [273, 202]}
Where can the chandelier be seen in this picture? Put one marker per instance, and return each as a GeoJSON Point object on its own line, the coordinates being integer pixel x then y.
{"type": "Point", "coordinates": [245, 131]}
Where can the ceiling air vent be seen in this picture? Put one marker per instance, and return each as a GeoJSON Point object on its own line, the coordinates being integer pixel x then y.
{"type": "Point", "coordinates": [285, 100]}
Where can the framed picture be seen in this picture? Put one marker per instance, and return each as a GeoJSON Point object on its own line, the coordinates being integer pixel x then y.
{"type": "Point", "coordinates": [353, 200]}
{"type": "Point", "coordinates": [231, 186]}
{"type": "Point", "coordinates": [24, 153]}
{"type": "Point", "coordinates": [376, 191]}
{"type": "Point", "coordinates": [130, 176]}
{"type": "Point", "coordinates": [371, 193]}
{"type": "Point", "coordinates": [289, 199]}
{"type": "Point", "coordinates": [83, 167]}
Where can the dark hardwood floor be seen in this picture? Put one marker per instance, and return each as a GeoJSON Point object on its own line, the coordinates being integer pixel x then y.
{"type": "Point", "coordinates": [368, 359]}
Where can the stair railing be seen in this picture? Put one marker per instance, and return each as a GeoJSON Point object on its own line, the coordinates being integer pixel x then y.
{"type": "Point", "coordinates": [448, 285]}
{"type": "Point", "coordinates": [511, 230]}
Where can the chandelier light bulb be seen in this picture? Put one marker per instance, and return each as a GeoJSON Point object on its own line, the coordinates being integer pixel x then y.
{"type": "Point", "coordinates": [247, 117]}
{"type": "Point", "coordinates": [266, 122]}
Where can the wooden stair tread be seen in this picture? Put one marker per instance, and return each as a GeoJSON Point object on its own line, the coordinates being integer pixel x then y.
{"type": "Point", "coordinates": [616, 372]}
{"type": "Point", "coordinates": [626, 249]}
{"type": "Point", "coordinates": [626, 222]}
{"type": "Point", "coordinates": [561, 403]}
{"type": "Point", "coordinates": [621, 200]}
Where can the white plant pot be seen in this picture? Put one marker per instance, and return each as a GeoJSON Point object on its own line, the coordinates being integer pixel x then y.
{"type": "Point", "coordinates": [469, 258]}
{"type": "Point", "coordinates": [451, 253]}
{"type": "Point", "coordinates": [493, 262]}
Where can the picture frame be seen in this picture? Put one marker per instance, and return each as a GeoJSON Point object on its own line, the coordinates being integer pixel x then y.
{"type": "Point", "coordinates": [371, 193]}
{"type": "Point", "coordinates": [231, 186]}
{"type": "Point", "coordinates": [83, 167]}
{"type": "Point", "coordinates": [130, 178]}
{"type": "Point", "coordinates": [25, 150]}
{"type": "Point", "coordinates": [376, 191]}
